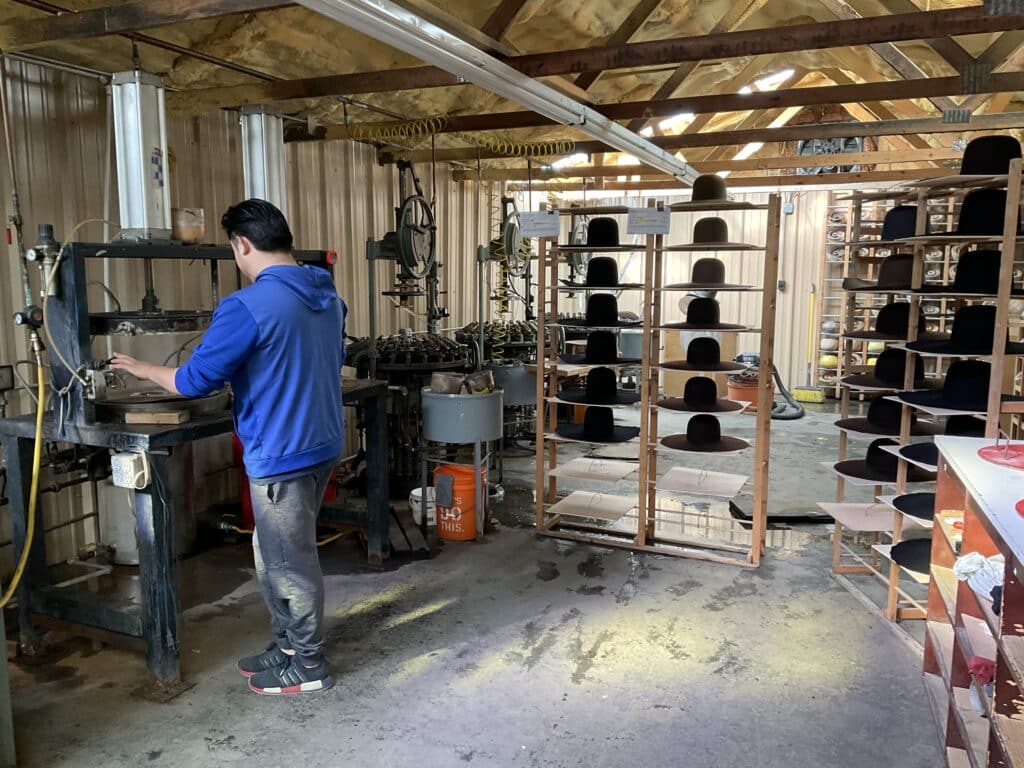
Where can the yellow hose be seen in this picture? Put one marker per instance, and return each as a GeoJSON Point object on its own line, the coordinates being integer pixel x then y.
{"type": "Point", "coordinates": [33, 494]}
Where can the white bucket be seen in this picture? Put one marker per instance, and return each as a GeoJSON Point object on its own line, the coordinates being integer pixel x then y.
{"type": "Point", "coordinates": [416, 506]}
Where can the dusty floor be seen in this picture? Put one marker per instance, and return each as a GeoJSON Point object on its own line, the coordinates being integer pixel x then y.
{"type": "Point", "coordinates": [520, 651]}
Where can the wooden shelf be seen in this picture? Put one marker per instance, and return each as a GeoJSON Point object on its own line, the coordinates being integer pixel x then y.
{"type": "Point", "coordinates": [973, 727]}
{"type": "Point", "coordinates": [1010, 734]}
{"type": "Point", "coordinates": [945, 583]}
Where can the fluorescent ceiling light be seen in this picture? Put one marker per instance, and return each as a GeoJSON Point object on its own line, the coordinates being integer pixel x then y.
{"type": "Point", "coordinates": [748, 150]}
{"type": "Point", "coordinates": [389, 23]}
{"type": "Point", "coordinates": [676, 121]}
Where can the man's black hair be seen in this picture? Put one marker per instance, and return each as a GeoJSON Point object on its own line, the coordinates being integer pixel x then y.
{"type": "Point", "coordinates": [261, 222]}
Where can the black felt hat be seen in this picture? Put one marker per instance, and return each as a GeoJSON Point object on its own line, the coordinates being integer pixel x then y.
{"type": "Point", "coordinates": [704, 435]}
{"type": "Point", "coordinates": [703, 354]}
{"type": "Point", "coordinates": [700, 395]}
{"type": "Point", "coordinates": [928, 453]}
{"type": "Point", "coordinates": [983, 213]}
{"type": "Point", "coordinates": [920, 506]}
{"type": "Point", "coordinates": [883, 418]}
{"type": "Point", "coordinates": [598, 427]}
{"type": "Point", "coordinates": [880, 466]}
{"type": "Point", "coordinates": [602, 312]}
{"type": "Point", "coordinates": [703, 314]}
{"type": "Point", "coordinates": [707, 274]}
{"type": "Point", "coordinates": [601, 389]}
{"type": "Point", "coordinates": [989, 155]}
{"type": "Point", "coordinates": [899, 222]}
{"type": "Point", "coordinates": [602, 349]}
{"type": "Point", "coordinates": [892, 323]}
{"type": "Point", "coordinates": [895, 273]}
{"type": "Point", "coordinates": [602, 272]}
{"type": "Point", "coordinates": [603, 232]}
{"type": "Point", "coordinates": [888, 372]}
{"type": "Point", "coordinates": [965, 388]}
{"type": "Point", "coordinates": [913, 554]}
{"type": "Point", "coordinates": [709, 187]}
{"type": "Point", "coordinates": [974, 327]}
{"type": "Point", "coordinates": [977, 273]}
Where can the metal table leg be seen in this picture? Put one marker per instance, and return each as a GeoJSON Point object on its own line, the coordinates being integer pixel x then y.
{"type": "Point", "coordinates": [18, 451]}
{"type": "Point", "coordinates": [378, 500]}
{"type": "Point", "coordinates": [158, 573]}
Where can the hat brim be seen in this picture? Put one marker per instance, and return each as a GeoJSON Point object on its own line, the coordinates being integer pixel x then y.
{"type": "Point", "coordinates": [721, 405]}
{"type": "Point", "coordinates": [707, 287]}
{"type": "Point", "coordinates": [951, 237]}
{"type": "Point", "coordinates": [598, 326]}
{"type": "Point", "coordinates": [938, 398]}
{"type": "Point", "coordinates": [952, 290]}
{"type": "Point", "coordinates": [862, 426]}
{"type": "Point", "coordinates": [859, 469]}
{"type": "Point", "coordinates": [877, 336]}
{"type": "Point", "coordinates": [620, 434]}
{"type": "Point", "coordinates": [567, 285]}
{"type": "Point", "coordinates": [857, 284]}
{"type": "Point", "coordinates": [913, 554]}
{"type": "Point", "coordinates": [870, 381]}
{"type": "Point", "coordinates": [948, 348]}
{"type": "Point", "coordinates": [711, 247]}
{"type": "Point", "coordinates": [582, 360]}
{"type": "Point", "coordinates": [703, 327]}
{"type": "Point", "coordinates": [724, 444]}
{"type": "Point", "coordinates": [890, 243]}
{"type": "Point", "coordinates": [925, 455]}
{"type": "Point", "coordinates": [920, 506]}
{"type": "Point", "coordinates": [719, 367]}
{"type": "Point", "coordinates": [712, 204]}
{"type": "Point", "coordinates": [578, 396]}
{"type": "Point", "coordinates": [577, 248]}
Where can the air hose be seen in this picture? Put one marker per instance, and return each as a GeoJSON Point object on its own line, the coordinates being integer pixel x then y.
{"type": "Point", "coordinates": [790, 409]}
{"type": "Point", "coordinates": [33, 494]}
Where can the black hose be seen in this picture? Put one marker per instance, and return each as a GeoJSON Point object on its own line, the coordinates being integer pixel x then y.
{"type": "Point", "coordinates": [790, 409]}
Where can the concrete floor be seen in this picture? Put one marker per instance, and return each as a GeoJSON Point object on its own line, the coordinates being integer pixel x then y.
{"type": "Point", "coordinates": [520, 651]}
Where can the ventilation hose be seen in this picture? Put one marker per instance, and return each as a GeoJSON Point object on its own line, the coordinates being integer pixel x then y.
{"type": "Point", "coordinates": [790, 409]}
{"type": "Point", "coordinates": [33, 494]}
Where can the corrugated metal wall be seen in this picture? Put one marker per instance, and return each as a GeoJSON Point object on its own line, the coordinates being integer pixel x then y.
{"type": "Point", "coordinates": [338, 198]}
{"type": "Point", "coordinates": [801, 239]}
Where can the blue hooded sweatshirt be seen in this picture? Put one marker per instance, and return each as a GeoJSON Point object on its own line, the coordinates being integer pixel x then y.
{"type": "Point", "coordinates": [280, 344]}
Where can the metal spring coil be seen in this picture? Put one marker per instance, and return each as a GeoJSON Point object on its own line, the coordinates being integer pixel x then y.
{"type": "Point", "coordinates": [409, 131]}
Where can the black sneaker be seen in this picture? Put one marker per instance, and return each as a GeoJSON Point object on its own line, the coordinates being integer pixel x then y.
{"type": "Point", "coordinates": [294, 677]}
{"type": "Point", "coordinates": [275, 656]}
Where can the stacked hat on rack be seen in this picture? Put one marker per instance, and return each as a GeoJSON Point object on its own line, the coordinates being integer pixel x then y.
{"type": "Point", "coordinates": [601, 392]}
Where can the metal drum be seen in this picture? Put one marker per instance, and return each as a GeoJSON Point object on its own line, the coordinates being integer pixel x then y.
{"type": "Point", "coordinates": [462, 418]}
{"type": "Point", "coordinates": [518, 385]}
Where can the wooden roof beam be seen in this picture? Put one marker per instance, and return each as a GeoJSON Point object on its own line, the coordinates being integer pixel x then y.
{"type": "Point", "coordinates": [799, 37]}
{"type": "Point", "coordinates": [120, 19]}
{"type": "Point", "coordinates": [949, 49]}
{"type": "Point", "coordinates": [844, 93]}
{"type": "Point", "coordinates": [502, 18]}
{"type": "Point", "coordinates": [1008, 120]}
{"type": "Point", "coordinates": [641, 12]}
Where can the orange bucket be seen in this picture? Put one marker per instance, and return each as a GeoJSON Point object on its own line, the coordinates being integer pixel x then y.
{"type": "Point", "coordinates": [458, 521]}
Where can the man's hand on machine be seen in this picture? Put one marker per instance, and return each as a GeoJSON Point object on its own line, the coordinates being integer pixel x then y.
{"type": "Point", "coordinates": [160, 375]}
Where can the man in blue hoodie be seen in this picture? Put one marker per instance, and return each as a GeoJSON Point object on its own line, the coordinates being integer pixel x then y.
{"type": "Point", "coordinates": [278, 342]}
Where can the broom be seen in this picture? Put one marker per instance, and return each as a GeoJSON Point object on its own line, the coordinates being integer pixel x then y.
{"type": "Point", "coordinates": [809, 394]}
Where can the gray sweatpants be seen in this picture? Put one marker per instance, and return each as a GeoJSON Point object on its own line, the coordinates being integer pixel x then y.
{"type": "Point", "coordinates": [287, 564]}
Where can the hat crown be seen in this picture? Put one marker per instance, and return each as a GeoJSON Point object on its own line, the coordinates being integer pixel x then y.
{"type": "Point", "coordinates": [973, 328]}
{"type": "Point", "coordinates": [966, 384]}
{"type": "Point", "coordinates": [603, 232]}
{"type": "Point", "coordinates": [887, 413]}
{"type": "Point", "coordinates": [891, 366]}
{"type": "Point", "coordinates": [700, 392]}
{"type": "Point", "coordinates": [601, 386]}
{"type": "Point", "coordinates": [598, 423]}
{"type": "Point", "coordinates": [709, 271]}
{"type": "Point", "coordinates": [602, 272]}
{"type": "Point", "coordinates": [899, 222]}
{"type": "Point", "coordinates": [703, 429]}
{"type": "Point", "coordinates": [978, 271]}
{"type": "Point", "coordinates": [879, 460]}
{"type": "Point", "coordinates": [896, 271]}
{"type": "Point", "coordinates": [708, 187]}
{"type": "Point", "coordinates": [702, 311]}
{"type": "Point", "coordinates": [989, 155]}
{"type": "Point", "coordinates": [703, 350]}
{"type": "Point", "coordinates": [602, 309]}
{"type": "Point", "coordinates": [983, 212]}
{"type": "Point", "coordinates": [965, 426]}
{"type": "Point", "coordinates": [711, 230]}
{"type": "Point", "coordinates": [894, 319]}
{"type": "Point", "coordinates": [601, 347]}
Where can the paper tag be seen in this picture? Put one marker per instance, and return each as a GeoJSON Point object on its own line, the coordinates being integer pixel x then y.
{"type": "Point", "coordinates": [539, 223]}
{"type": "Point", "coordinates": [648, 221]}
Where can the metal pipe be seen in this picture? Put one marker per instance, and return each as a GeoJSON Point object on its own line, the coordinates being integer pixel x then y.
{"type": "Point", "coordinates": [481, 257]}
{"type": "Point", "coordinates": [15, 218]}
{"type": "Point", "coordinates": [371, 353]}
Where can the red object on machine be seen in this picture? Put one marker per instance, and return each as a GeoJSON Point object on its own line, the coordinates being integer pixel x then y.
{"type": "Point", "coordinates": [243, 485]}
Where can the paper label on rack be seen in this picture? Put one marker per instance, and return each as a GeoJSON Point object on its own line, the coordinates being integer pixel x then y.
{"type": "Point", "coordinates": [539, 223]}
{"type": "Point", "coordinates": [648, 221]}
